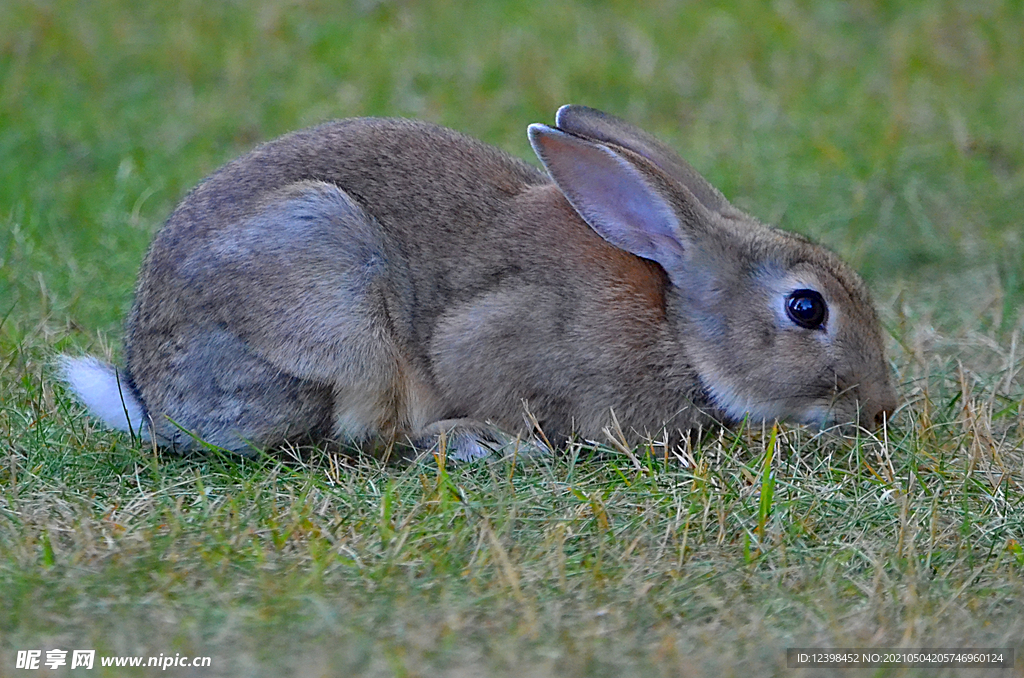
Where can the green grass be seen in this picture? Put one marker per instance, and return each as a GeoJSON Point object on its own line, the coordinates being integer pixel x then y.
{"type": "Point", "coordinates": [890, 131]}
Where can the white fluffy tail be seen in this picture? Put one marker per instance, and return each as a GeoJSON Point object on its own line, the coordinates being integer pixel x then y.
{"type": "Point", "coordinates": [108, 396]}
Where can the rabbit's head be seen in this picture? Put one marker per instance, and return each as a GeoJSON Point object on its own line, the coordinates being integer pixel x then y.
{"type": "Point", "coordinates": [775, 326]}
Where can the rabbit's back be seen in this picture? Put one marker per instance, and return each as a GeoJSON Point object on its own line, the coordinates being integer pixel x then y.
{"type": "Point", "coordinates": [430, 192]}
{"type": "Point", "coordinates": [372, 158]}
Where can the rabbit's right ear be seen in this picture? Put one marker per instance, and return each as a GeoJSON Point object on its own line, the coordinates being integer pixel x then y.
{"type": "Point", "coordinates": [625, 205]}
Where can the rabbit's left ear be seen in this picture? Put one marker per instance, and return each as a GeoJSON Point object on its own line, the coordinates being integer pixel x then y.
{"type": "Point", "coordinates": [591, 123]}
{"type": "Point", "coordinates": [625, 204]}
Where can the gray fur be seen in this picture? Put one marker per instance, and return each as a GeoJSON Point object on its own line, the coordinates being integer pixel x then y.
{"type": "Point", "coordinates": [384, 280]}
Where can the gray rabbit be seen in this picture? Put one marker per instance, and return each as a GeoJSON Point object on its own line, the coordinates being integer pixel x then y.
{"type": "Point", "coordinates": [385, 280]}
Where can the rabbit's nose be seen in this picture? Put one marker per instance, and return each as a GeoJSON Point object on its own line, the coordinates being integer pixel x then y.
{"type": "Point", "coordinates": [883, 411]}
{"type": "Point", "coordinates": [877, 407]}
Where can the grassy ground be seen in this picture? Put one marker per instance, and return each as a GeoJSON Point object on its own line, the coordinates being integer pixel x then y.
{"type": "Point", "coordinates": [891, 131]}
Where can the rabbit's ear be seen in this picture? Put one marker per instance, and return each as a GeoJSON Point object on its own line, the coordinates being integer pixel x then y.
{"type": "Point", "coordinates": [625, 205]}
{"type": "Point", "coordinates": [594, 124]}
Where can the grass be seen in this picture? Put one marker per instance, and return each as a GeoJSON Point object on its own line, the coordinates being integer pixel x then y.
{"type": "Point", "coordinates": [890, 131]}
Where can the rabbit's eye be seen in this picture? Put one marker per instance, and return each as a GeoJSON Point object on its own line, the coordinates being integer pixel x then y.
{"type": "Point", "coordinates": [807, 309]}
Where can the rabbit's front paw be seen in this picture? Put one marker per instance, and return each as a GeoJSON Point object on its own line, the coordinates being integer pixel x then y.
{"type": "Point", "coordinates": [465, 440]}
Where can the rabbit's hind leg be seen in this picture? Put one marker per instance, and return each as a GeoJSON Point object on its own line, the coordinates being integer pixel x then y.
{"type": "Point", "coordinates": [227, 396]}
{"type": "Point", "coordinates": [276, 315]}
{"type": "Point", "coordinates": [290, 312]}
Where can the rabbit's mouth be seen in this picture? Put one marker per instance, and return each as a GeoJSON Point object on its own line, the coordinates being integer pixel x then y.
{"type": "Point", "coordinates": [828, 419]}
{"type": "Point", "coordinates": [833, 413]}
